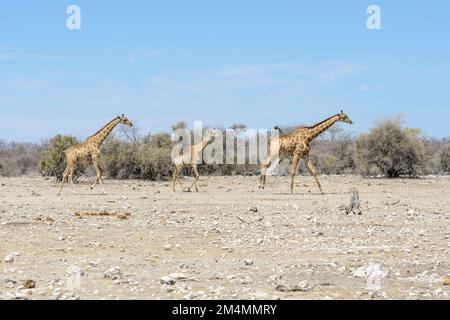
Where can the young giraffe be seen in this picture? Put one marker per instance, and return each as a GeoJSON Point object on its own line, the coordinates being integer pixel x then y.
{"type": "Point", "coordinates": [89, 151]}
{"type": "Point", "coordinates": [297, 145]}
{"type": "Point", "coordinates": [195, 153]}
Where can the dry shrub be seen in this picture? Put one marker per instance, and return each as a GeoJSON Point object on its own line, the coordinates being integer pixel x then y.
{"type": "Point", "coordinates": [154, 157]}
{"type": "Point", "coordinates": [391, 150]}
{"type": "Point", "coordinates": [445, 160]}
{"type": "Point", "coordinates": [120, 158]}
{"type": "Point", "coordinates": [17, 159]}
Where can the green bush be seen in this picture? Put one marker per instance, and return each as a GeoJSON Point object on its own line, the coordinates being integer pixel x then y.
{"type": "Point", "coordinates": [120, 158]}
{"type": "Point", "coordinates": [391, 150]}
{"type": "Point", "coordinates": [53, 161]}
{"type": "Point", "coordinates": [155, 157]}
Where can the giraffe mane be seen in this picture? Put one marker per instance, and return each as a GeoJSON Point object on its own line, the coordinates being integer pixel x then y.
{"type": "Point", "coordinates": [318, 124]}
{"type": "Point", "coordinates": [101, 129]}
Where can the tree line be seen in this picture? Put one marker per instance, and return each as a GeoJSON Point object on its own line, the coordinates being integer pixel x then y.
{"type": "Point", "coordinates": [388, 149]}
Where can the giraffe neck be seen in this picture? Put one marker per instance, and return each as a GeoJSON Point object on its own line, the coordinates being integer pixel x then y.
{"type": "Point", "coordinates": [99, 137]}
{"type": "Point", "coordinates": [319, 128]}
{"type": "Point", "coordinates": [205, 142]}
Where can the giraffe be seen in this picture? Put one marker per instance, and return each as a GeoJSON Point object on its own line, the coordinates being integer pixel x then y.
{"type": "Point", "coordinates": [89, 151]}
{"type": "Point", "coordinates": [297, 146]}
{"type": "Point", "coordinates": [194, 153]}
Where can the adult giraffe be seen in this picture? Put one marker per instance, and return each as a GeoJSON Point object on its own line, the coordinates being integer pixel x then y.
{"type": "Point", "coordinates": [89, 151]}
{"type": "Point", "coordinates": [297, 145]}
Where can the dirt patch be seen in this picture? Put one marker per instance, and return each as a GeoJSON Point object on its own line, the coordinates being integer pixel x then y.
{"type": "Point", "coordinates": [119, 215]}
{"type": "Point", "coordinates": [230, 240]}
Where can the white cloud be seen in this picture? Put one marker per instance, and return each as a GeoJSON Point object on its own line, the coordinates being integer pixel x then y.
{"type": "Point", "coordinates": [364, 87]}
{"type": "Point", "coordinates": [131, 59]}
{"type": "Point", "coordinates": [152, 53]}
{"type": "Point", "coordinates": [284, 76]}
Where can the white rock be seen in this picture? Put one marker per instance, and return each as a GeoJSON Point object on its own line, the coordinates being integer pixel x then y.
{"type": "Point", "coordinates": [10, 257]}
{"type": "Point", "coordinates": [370, 270]}
{"type": "Point", "coordinates": [75, 270]}
{"type": "Point", "coordinates": [113, 273]}
{"type": "Point", "coordinates": [190, 296]}
{"type": "Point", "coordinates": [258, 295]}
{"type": "Point", "coordinates": [178, 276]}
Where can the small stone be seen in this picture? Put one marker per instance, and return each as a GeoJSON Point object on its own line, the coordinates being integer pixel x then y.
{"type": "Point", "coordinates": [168, 280]}
{"type": "Point", "coordinates": [253, 209]}
{"type": "Point", "coordinates": [75, 270]}
{"type": "Point", "coordinates": [370, 270]}
{"type": "Point", "coordinates": [259, 295]}
{"type": "Point", "coordinates": [189, 296]}
{"type": "Point", "coordinates": [29, 284]}
{"type": "Point", "coordinates": [446, 281]}
{"type": "Point", "coordinates": [167, 288]}
{"type": "Point", "coordinates": [177, 276]}
{"type": "Point", "coordinates": [11, 257]}
{"type": "Point", "coordinates": [249, 262]}
{"type": "Point", "coordinates": [303, 286]}
{"type": "Point", "coordinates": [113, 273]}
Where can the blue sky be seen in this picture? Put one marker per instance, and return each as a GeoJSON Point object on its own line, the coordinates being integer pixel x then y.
{"type": "Point", "coordinates": [261, 63]}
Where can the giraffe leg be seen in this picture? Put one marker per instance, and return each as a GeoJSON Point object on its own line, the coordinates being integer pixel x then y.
{"type": "Point", "coordinates": [65, 174]}
{"type": "Point", "coordinates": [313, 172]}
{"type": "Point", "coordinates": [179, 180]}
{"type": "Point", "coordinates": [176, 177]}
{"type": "Point", "coordinates": [294, 167]}
{"type": "Point", "coordinates": [71, 180]}
{"type": "Point", "coordinates": [196, 177]}
{"type": "Point", "coordinates": [98, 179]}
{"type": "Point", "coordinates": [264, 165]}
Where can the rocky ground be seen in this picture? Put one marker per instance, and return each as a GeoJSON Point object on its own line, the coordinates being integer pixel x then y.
{"type": "Point", "coordinates": [228, 241]}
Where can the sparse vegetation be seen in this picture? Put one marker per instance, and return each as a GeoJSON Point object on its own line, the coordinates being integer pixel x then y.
{"type": "Point", "coordinates": [17, 159]}
{"type": "Point", "coordinates": [53, 161]}
{"type": "Point", "coordinates": [445, 160]}
{"type": "Point", "coordinates": [388, 149]}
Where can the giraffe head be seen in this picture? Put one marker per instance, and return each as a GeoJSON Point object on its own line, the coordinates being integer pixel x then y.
{"type": "Point", "coordinates": [212, 134]}
{"type": "Point", "coordinates": [344, 118]}
{"type": "Point", "coordinates": [124, 120]}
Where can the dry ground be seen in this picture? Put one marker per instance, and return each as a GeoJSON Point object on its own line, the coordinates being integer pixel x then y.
{"type": "Point", "coordinates": [300, 246]}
